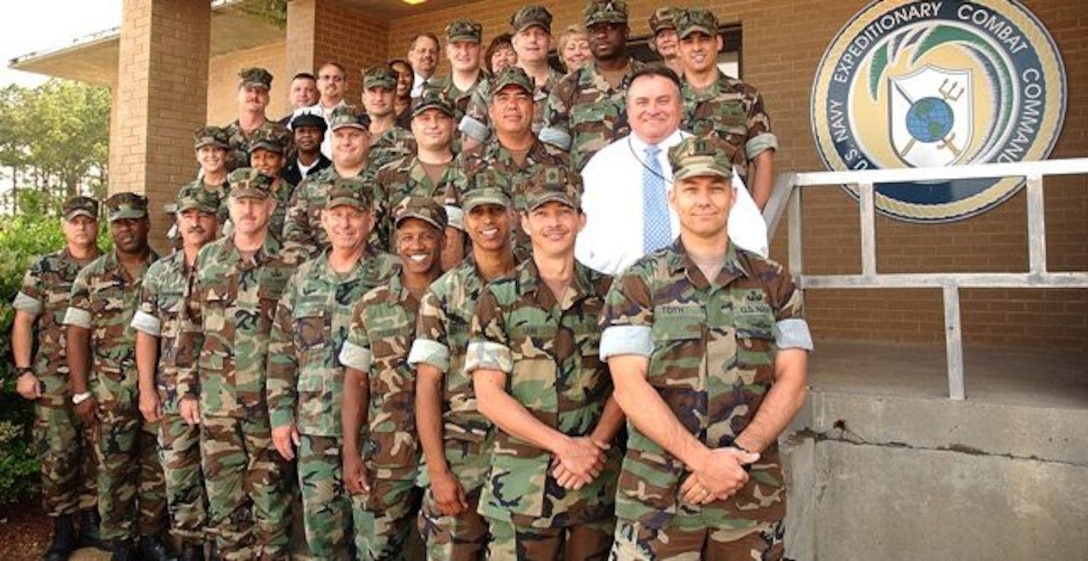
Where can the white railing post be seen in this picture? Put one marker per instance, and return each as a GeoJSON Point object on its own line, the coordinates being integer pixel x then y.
{"type": "Point", "coordinates": [1036, 225]}
{"type": "Point", "coordinates": [953, 341]}
{"type": "Point", "coordinates": [868, 229]}
{"type": "Point", "coordinates": [796, 257]}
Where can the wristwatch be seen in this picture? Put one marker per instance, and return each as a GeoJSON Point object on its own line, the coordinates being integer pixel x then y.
{"type": "Point", "coordinates": [81, 397]}
{"type": "Point", "coordinates": [20, 370]}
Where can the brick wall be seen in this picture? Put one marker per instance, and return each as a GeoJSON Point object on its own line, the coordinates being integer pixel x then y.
{"type": "Point", "coordinates": [782, 45]}
{"type": "Point", "coordinates": [352, 38]}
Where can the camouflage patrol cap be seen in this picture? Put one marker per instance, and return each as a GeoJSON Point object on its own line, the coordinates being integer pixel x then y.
{"type": "Point", "coordinates": [211, 136]}
{"type": "Point", "coordinates": [528, 16]}
{"type": "Point", "coordinates": [380, 77]}
{"type": "Point", "coordinates": [605, 11]}
{"type": "Point", "coordinates": [255, 77]}
{"type": "Point", "coordinates": [464, 30]}
{"type": "Point", "coordinates": [698, 157]}
{"type": "Point", "coordinates": [273, 139]}
{"type": "Point", "coordinates": [346, 117]}
{"type": "Point", "coordinates": [696, 20]}
{"type": "Point", "coordinates": [122, 206]}
{"type": "Point", "coordinates": [423, 208]}
{"type": "Point", "coordinates": [349, 191]}
{"type": "Point", "coordinates": [80, 206]}
{"type": "Point", "coordinates": [484, 196]}
{"type": "Point", "coordinates": [249, 183]}
{"type": "Point", "coordinates": [511, 76]}
{"type": "Point", "coordinates": [553, 183]}
{"type": "Point", "coordinates": [432, 98]}
{"type": "Point", "coordinates": [663, 19]}
{"type": "Point", "coordinates": [199, 199]}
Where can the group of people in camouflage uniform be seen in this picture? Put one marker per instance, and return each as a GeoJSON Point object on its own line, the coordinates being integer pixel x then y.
{"type": "Point", "coordinates": [404, 341]}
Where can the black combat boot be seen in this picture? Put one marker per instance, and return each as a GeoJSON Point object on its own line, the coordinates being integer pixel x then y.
{"type": "Point", "coordinates": [64, 539]}
{"type": "Point", "coordinates": [152, 549]}
{"type": "Point", "coordinates": [123, 551]}
{"type": "Point", "coordinates": [89, 535]}
{"type": "Point", "coordinates": [192, 551]}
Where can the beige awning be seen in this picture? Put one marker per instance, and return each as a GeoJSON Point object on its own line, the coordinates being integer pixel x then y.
{"type": "Point", "coordinates": [93, 59]}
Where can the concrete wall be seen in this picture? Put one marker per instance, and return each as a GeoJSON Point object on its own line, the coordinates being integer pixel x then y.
{"type": "Point", "coordinates": [903, 478]}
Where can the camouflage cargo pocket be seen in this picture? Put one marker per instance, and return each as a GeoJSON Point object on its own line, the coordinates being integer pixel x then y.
{"type": "Point", "coordinates": [517, 482]}
{"type": "Point", "coordinates": [648, 488]}
{"type": "Point", "coordinates": [311, 325]}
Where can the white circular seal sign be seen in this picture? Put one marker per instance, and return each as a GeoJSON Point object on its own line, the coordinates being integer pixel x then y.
{"type": "Point", "coordinates": [924, 84]}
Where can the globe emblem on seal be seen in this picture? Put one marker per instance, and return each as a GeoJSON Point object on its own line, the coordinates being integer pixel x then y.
{"type": "Point", "coordinates": [930, 119]}
{"type": "Point", "coordinates": [935, 84]}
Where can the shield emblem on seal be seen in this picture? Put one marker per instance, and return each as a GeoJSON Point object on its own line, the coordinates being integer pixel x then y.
{"type": "Point", "coordinates": [931, 116]}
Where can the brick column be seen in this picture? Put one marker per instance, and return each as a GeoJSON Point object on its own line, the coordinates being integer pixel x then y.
{"type": "Point", "coordinates": [301, 37]}
{"type": "Point", "coordinates": [160, 99]}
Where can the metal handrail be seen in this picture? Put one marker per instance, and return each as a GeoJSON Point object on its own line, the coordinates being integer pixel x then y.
{"type": "Point", "coordinates": [786, 200]}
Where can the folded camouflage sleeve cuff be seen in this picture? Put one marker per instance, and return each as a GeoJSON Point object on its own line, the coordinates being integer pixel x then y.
{"type": "Point", "coordinates": [790, 333]}
{"type": "Point", "coordinates": [281, 418]}
{"type": "Point", "coordinates": [146, 323]}
{"type": "Point", "coordinates": [456, 217]}
{"type": "Point", "coordinates": [354, 356]}
{"type": "Point", "coordinates": [27, 304]}
{"type": "Point", "coordinates": [760, 143]}
{"type": "Point", "coordinates": [627, 340]}
{"type": "Point", "coordinates": [474, 129]}
{"type": "Point", "coordinates": [485, 355]}
{"type": "Point", "coordinates": [78, 318]}
{"type": "Point", "coordinates": [556, 137]}
{"type": "Point", "coordinates": [433, 353]}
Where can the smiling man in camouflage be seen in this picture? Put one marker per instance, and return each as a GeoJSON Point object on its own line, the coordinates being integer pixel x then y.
{"type": "Point", "coordinates": [65, 446]}
{"type": "Point", "coordinates": [379, 390]}
{"type": "Point", "coordinates": [305, 377]}
{"type": "Point", "coordinates": [157, 322]}
{"type": "Point", "coordinates": [238, 281]}
{"type": "Point", "coordinates": [532, 357]}
{"type": "Point", "coordinates": [102, 363]}
{"type": "Point", "coordinates": [707, 344]}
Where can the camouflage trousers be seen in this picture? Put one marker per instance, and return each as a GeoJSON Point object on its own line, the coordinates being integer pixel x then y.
{"type": "Point", "coordinates": [454, 538]}
{"type": "Point", "coordinates": [326, 509]}
{"type": "Point", "coordinates": [762, 542]}
{"type": "Point", "coordinates": [463, 537]}
{"type": "Point", "coordinates": [69, 467]}
{"type": "Point", "coordinates": [589, 541]}
{"type": "Point", "coordinates": [381, 532]}
{"type": "Point", "coordinates": [185, 495]}
{"type": "Point", "coordinates": [131, 487]}
{"type": "Point", "coordinates": [248, 493]}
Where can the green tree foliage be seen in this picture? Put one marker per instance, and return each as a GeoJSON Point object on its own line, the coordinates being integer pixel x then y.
{"type": "Point", "coordinates": [54, 140]}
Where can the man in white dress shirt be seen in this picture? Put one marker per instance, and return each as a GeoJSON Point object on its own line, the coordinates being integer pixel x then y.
{"type": "Point", "coordinates": [423, 56]}
{"type": "Point", "coordinates": [332, 82]}
{"type": "Point", "coordinates": [627, 184]}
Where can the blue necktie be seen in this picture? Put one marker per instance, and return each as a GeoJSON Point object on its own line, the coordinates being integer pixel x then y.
{"type": "Point", "coordinates": [656, 229]}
